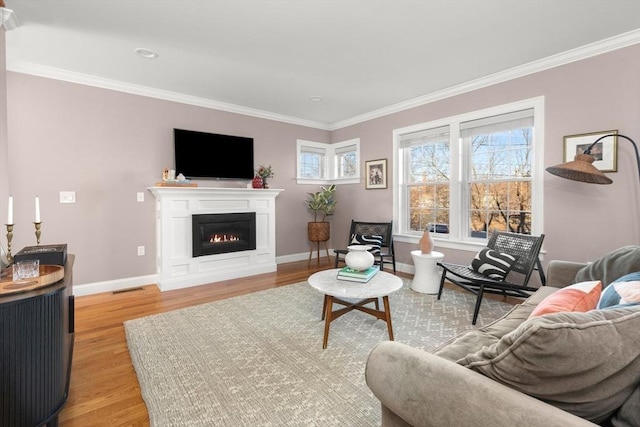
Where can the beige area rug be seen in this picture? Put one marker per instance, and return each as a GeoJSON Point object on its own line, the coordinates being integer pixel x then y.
{"type": "Point", "coordinates": [257, 359]}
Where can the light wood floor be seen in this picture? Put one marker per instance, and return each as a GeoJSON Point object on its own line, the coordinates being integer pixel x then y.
{"type": "Point", "coordinates": [104, 389]}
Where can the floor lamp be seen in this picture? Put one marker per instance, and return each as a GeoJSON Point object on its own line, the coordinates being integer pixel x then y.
{"type": "Point", "coordinates": [582, 169]}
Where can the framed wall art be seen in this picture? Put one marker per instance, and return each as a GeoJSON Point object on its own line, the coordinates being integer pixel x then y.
{"type": "Point", "coordinates": [605, 151]}
{"type": "Point", "coordinates": [376, 173]}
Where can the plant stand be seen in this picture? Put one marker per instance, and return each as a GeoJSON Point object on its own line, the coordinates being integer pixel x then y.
{"type": "Point", "coordinates": [319, 232]}
{"type": "Point", "coordinates": [318, 249]}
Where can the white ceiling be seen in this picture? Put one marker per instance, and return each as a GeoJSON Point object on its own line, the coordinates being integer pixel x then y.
{"type": "Point", "coordinates": [270, 57]}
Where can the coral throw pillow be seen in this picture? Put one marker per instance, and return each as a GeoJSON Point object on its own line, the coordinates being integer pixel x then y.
{"type": "Point", "coordinates": [583, 296]}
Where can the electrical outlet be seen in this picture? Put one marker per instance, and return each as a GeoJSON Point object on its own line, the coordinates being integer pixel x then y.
{"type": "Point", "coordinates": [67, 197]}
{"type": "Point", "coordinates": [140, 196]}
{"type": "Point", "coordinates": [140, 250]}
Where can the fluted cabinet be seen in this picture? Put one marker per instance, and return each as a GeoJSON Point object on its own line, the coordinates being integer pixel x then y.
{"type": "Point", "coordinates": [36, 347]}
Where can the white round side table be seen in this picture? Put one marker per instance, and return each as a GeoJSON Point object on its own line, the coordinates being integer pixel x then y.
{"type": "Point", "coordinates": [427, 276]}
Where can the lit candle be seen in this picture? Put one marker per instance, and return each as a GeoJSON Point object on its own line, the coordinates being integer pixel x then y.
{"type": "Point", "coordinates": [10, 211]}
{"type": "Point", "coordinates": [37, 209]}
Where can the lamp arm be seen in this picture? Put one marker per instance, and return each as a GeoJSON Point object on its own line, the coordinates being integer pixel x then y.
{"type": "Point", "coordinates": [635, 147]}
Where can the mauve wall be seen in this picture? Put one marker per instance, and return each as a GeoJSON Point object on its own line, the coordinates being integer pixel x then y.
{"type": "Point", "coordinates": [581, 221]}
{"type": "Point", "coordinates": [4, 182]}
{"type": "Point", "coordinates": [107, 146]}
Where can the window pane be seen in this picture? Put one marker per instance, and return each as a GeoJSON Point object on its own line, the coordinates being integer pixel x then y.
{"type": "Point", "coordinates": [429, 162]}
{"type": "Point", "coordinates": [347, 164]}
{"type": "Point", "coordinates": [311, 165]}
{"type": "Point", "coordinates": [505, 206]}
{"type": "Point", "coordinates": [428, 204]}
{"type": "Point", "coordinates": [499, 176]}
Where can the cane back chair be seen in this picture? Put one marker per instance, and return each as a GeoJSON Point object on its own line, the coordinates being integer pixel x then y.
{"type": "Point", "coordinates": [525, 248]}
{"type": "Point", "coordinates": [383, 229]}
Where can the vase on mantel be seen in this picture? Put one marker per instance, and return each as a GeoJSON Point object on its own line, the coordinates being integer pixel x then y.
{"type": "Point", "coordinates": [264, 183]}
{"type": "Point", "coordinates": [257, 182]}
{"type": "Point", "coordinates": [426, 241]}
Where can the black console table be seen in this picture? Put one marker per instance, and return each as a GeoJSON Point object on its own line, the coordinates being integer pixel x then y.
{"type": "Point", "coordinates": [36, 348]}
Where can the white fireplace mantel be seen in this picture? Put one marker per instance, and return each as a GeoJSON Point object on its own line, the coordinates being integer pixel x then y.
{"type": "Point", "coordinates": [175, 266]}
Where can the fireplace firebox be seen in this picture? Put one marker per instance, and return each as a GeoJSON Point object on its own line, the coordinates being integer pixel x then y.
{"type": "Point", "coordinates": [222, 233]}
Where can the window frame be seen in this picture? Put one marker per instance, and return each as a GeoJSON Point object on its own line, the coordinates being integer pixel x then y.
{"type": "Point", "coordinates": [455, 239]}
{"type": "Point", "coordinates": [331, 168]}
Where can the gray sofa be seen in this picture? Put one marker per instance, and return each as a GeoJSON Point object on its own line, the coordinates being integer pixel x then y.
{"type": "Point", "coordinates": [582, 368]}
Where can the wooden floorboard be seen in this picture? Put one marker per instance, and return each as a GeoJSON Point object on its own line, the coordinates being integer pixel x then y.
{"type": "Point", "coordinates": [104, 389]}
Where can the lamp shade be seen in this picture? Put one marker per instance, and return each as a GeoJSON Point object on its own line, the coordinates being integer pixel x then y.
{"type": "Point", "coordinates": [580, 169]}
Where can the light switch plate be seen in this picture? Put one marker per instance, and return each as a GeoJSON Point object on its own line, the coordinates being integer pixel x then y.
{"type": "Point", "coordinates": [140, 196]}
{"type": "Point", "coordinates": [67, 197]}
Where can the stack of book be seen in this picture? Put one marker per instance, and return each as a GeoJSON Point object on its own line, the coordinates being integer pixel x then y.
{"type": "Point", "coordinates": [352, 275]}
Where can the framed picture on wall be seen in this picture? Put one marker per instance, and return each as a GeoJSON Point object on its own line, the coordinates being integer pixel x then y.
{"type": "Point", "coordinates": [605, 151]}
{"type": "Point", "coordinates": [376, 173]}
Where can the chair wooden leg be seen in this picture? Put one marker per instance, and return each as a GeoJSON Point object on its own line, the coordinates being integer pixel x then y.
{"type": "Point", "coordinates": [444, 276]}
{"type": "Point", "coordinates": [476, 310]}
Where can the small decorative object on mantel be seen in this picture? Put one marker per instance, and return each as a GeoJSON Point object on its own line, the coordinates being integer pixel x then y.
{"type": "Point", "coordinates": [256, 182]}
{"type": "Point", "coordinates": [264, 172]}
{"type": "Point", "coordinates": [169, 179]}
{"type": "Point", "coordinates": [426, 241]}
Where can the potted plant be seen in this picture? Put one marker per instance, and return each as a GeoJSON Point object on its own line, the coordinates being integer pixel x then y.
{"type": "Point", "coordinates": [322, 204]}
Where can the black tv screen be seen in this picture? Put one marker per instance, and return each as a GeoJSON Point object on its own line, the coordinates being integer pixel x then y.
{"type": "Point", "coordinates": [213, 156]}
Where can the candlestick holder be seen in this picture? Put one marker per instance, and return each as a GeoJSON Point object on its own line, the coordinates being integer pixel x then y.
{"type": "Point", "coordinates": [38, 232]}
{"type": "Point", "coordinates": [9, 239]}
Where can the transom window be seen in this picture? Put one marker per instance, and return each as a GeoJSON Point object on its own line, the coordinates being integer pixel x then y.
{"type": "Point", "coordinates": [466, 176]}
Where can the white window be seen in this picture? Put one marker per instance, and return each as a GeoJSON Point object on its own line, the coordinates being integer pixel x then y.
{"type": "Point", "coordinates": [320, 163]}
{"type": "Point", "coordinates": [471, 174]}
{"type": "Point", "coordinates": [312, 160]}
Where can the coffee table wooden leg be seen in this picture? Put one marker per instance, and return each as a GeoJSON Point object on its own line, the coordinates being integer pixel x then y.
{"type": "Point", "coordinates": [327, 319]}
{"type": "Point", "coordinates": [387, 312]}
{"type": "Point", "coordinates": [324, 307]}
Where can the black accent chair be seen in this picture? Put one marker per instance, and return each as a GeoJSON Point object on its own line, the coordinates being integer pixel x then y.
{"type": "Point", "coordinates": [525, 247]}
{"type": "Point", "coordinates": [384, 229]}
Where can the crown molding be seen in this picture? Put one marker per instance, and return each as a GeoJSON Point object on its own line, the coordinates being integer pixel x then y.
{"type": "Point", "coordinates": [583, 52]}
{"type": "Point", "coordinates": [8, 19]}
{"type": "Point", "coordinates": [88, 80]}
{"type": "Point", "coordinates": [580, 53]}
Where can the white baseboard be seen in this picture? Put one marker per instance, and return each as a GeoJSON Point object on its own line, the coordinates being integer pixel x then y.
{"type": "Point", "coordinates": [152, 279]}
{"type": "Point", "coordinates": [114, 285]}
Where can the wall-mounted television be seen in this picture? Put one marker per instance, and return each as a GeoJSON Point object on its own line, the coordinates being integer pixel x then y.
{"type": "Point", "coordinates": [212, 156]}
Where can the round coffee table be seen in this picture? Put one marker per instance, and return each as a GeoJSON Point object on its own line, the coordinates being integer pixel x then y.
{"type": "Point", "coordinates": [380, 286]}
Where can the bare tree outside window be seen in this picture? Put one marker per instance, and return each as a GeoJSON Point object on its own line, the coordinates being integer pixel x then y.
{"type": "Point", "coordinates": [495, 155]}
{"type": "Point", "coordinates": [500, 183]}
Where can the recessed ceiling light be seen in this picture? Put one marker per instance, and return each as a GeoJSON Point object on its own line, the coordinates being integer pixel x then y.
{"type": "Point", "coordinates": [146, 53]}
{"type": "Point", "coordinates": [315, 98]}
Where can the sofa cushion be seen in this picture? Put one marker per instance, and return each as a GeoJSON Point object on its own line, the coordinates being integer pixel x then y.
{"type": "Point", "coordinates": [629, 413]}
{"type": "Point", "coordinates": [612, 266]}
{"type": "Point", "coordinates": [493, 264]}
{"type": "Point", "coordinates": [583, 296]}
{"type": "Point", "coordinates": [587, 364]}
{"type": "Point", "coordinates": [625, 290]}
{"type": "Point", "coordinates": [471, 341]}
{"type": "Point", "coordinates": [373, 240]}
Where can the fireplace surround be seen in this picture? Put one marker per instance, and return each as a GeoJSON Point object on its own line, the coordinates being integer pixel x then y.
{"type": "Point", "coordinates": [177, 267]}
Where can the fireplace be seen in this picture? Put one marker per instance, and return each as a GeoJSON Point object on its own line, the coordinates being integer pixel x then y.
{"type": "Point", "coordinates": [222, 233]}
